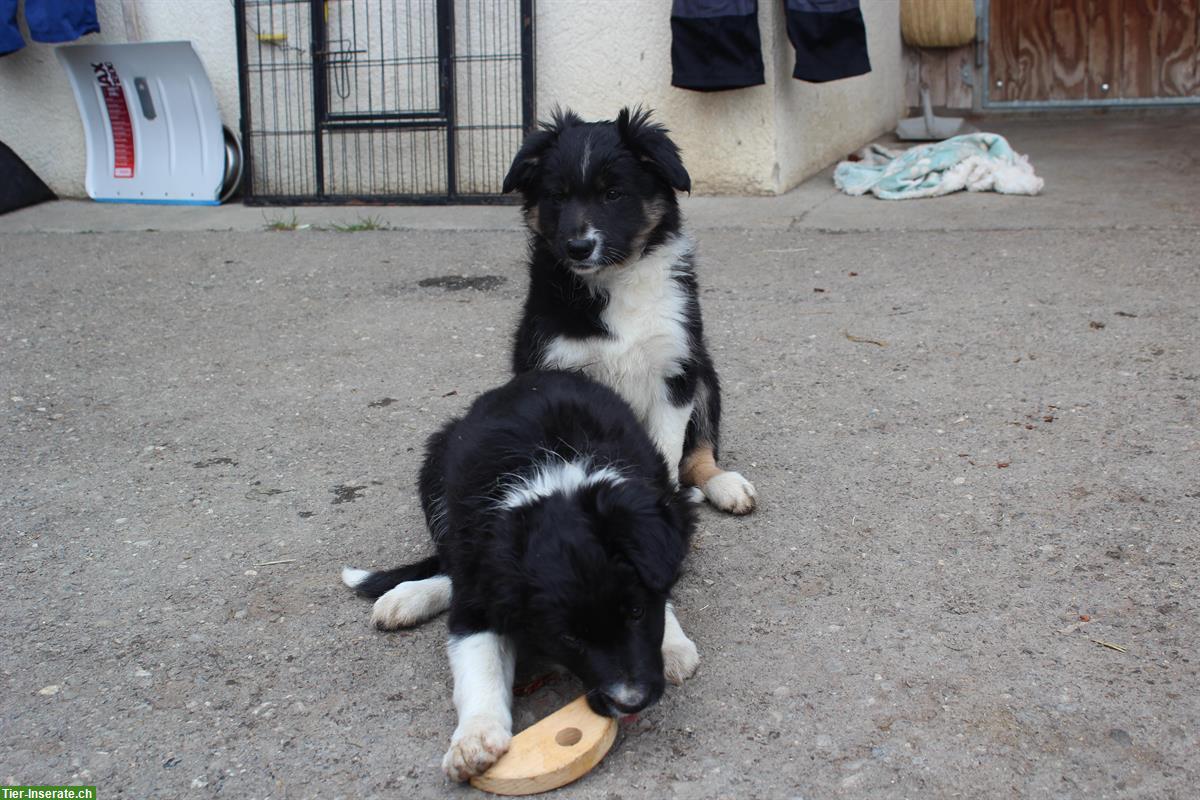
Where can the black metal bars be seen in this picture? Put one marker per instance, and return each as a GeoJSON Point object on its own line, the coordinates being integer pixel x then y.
{"type": "Point", "coordinates": [382, 101]}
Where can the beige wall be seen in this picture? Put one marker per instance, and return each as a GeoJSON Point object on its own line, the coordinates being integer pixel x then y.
{"type": "Point", "coordinates": [596, 57]}
{"type": "Point", "coordinates": [817, 124]}
{"type": "Point", "coordinates": [593, 57]}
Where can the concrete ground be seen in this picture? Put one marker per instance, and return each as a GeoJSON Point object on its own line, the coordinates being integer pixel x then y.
{"type": "Point", "coordinates": [972, 422]}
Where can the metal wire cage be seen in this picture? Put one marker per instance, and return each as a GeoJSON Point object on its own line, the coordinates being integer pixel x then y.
{"type": "Point", "coordinates": [382, 101]}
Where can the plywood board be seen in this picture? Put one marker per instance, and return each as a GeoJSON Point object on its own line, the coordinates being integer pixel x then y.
{"type": "Point", "coordinates": [912, 77]}
{"type": "Point", "coordinates": [958, 93]}
{"type": "Point", "coordinates": [1035, 44]}
{"type": "Point", "coordinates": [1138, 27]}
{"type": "Point", "coordinates": [1105, 49]}
{"type": "Point", "coordinates": [1068, 55]}
{"type": "Point", "coordinates": [933, 73]}
{"type": "Point", "coordinates": [1002, 49]}
{"type": "Point", "coordinates": [1177, 49]}
{"type": "Point", "coordinates": [1064, 50]}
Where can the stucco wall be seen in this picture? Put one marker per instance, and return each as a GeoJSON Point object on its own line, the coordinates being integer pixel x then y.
{"type": "Point", "coordinates": [593, 57]}
{"type": "Point", "coordinates": [819, 123]}
{"type": "Point", "coordinates": [596, 57]}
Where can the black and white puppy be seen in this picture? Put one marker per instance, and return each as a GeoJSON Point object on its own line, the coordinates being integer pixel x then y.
{"type": "Point", "coordinates": [558, 526]}
{"type": "Point", "coordinates": [612, 290]}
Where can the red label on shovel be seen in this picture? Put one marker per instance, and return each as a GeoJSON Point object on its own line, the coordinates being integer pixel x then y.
{"type": "Point", "coordinates": [118, 118]}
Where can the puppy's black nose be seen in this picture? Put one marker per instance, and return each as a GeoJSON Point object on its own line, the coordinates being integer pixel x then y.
{"type": "Point", "coordinates": [630, 698]}
{"type": "Point", "coordinates": [580, 249]}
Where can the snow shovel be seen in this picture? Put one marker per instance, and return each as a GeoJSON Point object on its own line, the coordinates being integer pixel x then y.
{"type": "Point", "coordinates": [151, 124]}
{"type": "Point", "coordinates": [927, 127]}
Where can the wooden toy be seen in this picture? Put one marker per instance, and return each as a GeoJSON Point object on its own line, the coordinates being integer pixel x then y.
{"type": "Point", "coordinates": [551, 753]}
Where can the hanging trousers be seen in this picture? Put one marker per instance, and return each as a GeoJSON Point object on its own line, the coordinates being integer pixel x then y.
{"type": "Point", "coordinates": [715, 44]}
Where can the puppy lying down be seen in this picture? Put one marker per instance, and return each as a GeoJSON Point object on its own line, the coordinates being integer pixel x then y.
{"type": "Point", "coordinates": [559, 533]}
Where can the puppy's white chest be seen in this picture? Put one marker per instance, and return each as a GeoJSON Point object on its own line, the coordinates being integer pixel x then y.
{"type": "Point", "coordinates": [648, 339]}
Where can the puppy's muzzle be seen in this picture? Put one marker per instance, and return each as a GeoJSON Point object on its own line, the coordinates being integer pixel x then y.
{"type": "Point", "coordinates": [622, 699]}
{"type": "Point", "coordinates": [581, 249]}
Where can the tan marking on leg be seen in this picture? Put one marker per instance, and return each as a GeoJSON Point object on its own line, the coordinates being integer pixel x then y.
{"type": "Point", "coordinates": [726, 490]}
{"type": "Point", "coordinates": [699, 466]}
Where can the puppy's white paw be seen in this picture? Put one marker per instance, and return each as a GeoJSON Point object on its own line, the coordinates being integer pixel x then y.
{"type": "Point", "coordinates": [411, 602]}
{"type": "Point", "coordinates": [730, 492]}
{"type": "Point", "coordinates": [475, 746]}
{"type": "Point", "coordinates": [680, 659]}
{"type": "Point", "coordinates": [693, 494]}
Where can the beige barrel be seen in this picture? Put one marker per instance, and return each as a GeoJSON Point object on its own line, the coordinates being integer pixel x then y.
{"type": "Point", "coordinates": [937, 23]}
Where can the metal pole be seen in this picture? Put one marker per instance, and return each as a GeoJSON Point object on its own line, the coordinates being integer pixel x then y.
{"type": "Point", "coordinates": [320, 90]}
{"type": "Point", "coordinates": [445, 11]}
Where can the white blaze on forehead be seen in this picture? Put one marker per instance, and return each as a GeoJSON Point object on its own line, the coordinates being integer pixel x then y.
{"type": "Point", "coordinates": [587, 156]}
{"type": "Point", "coordinates": [562, 477]}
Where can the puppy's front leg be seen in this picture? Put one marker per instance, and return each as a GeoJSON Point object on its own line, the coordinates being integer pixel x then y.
{"type": "Point", "coordinates": [667, 425]}
{"type": "Point", "coordinates": [482, 664]}
{"type": "Point", "coordinates": [680, 657]}
{"type": "Point", "coordinates": [725, 489]}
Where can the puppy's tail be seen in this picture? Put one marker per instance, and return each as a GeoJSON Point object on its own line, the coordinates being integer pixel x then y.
{"type": "Point", "coordinates": [374, 584]}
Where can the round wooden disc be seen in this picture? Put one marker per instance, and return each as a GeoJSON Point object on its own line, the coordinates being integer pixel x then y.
{"type": "Point", "coordinates": [551, 753]}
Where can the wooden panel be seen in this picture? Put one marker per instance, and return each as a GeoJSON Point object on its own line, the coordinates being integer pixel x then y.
{"type": "Point", "coordinates": [1094, 49]}
{"type": "Point", "coordinates": [933, 73]}
{"type": "Point", "coordinates": [1177, 49]}
{"type": "Point", "coordinates": [1035, 46]}
{"type": "Point", "coordinates": [1002, 49]}
{"type": "Point", "coordinates": [1139, 22]}
{"type": "Point", "coordinates": [1105, 53]}
{"type": "Point", "coordinates": [912, 77]}
{"type": "Point", "coordinates": [941, 69]}
{"type": "Point", "coordinates": [959, 94]}
{"type": "Point", "coordinates": [1069, 56]}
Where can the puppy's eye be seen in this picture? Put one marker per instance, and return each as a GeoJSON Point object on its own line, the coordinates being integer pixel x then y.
{"type": "Point", "coordinates": [635, 612]}
{"type": "Point", "coordinates": [558, 196]}
{"type": "Point", "coordinates": [570, 641]}
{"type": "Point", "coordinates": [613, 194]}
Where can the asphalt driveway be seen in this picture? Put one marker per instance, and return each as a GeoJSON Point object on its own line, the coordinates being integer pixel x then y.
{"type": "Point", "coordinates": [972, 423]}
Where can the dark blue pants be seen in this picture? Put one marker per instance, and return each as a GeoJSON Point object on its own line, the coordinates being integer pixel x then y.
{"type": "Point", "coordinates": [715, 43]}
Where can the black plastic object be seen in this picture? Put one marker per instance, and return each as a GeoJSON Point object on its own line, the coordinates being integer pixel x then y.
{"type": "Point", "coordinates": [143, 93]}
{"type": "Point", "coordinates": [19, 185]}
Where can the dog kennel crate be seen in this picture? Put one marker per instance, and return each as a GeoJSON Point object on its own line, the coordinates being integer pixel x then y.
{"type": "Point", "coordinates": [382, 101]}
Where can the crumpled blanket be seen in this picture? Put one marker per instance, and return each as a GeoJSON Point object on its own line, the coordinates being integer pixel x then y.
{"type": "Point", "coordinates": [977, 162]}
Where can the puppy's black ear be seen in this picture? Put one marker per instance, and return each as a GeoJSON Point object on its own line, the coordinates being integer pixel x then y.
{"type": "Point", "coordinates": [652, 537]}
{"type": "Point", "coordinates": [649, 142]}
{"type": "Point", "coordinates": [524, 167]}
